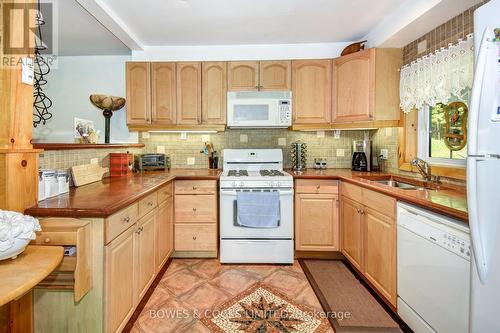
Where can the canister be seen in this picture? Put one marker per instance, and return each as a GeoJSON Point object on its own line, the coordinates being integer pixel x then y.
{"type": "Point", "coordinates": [62, 181]}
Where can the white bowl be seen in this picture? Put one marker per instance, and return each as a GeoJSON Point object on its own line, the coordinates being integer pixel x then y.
{"type": "Point", "coordinates": [17, 248]}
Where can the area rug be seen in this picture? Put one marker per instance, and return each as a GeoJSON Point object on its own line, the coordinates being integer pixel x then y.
{"type": "Point", "coordinates": [340, 292]}
{"type": "Point", "coordinates": [262, 309]}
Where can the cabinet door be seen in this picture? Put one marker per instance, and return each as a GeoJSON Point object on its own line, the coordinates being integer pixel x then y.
{"type": "Point", "coordinates": [138, 93]}
{"type": "Point", "coordinates": [164, 232]}
{"type": "Point", "coordinates": [145, 253]}
{"type": "Point", "coordinates": [380, 253]}
{"type": "Point", "coordinates": [275, 75]}
{"type": "Point", "coordinates": [316, 222]}
{"type": "Point", "coordinates": [351, 229]}
{"type": "Point", "coordinates": [163, 92]}
{"type": "Point", "coordinates": [214, 92]}
{"type": "Point", "coordinates": [312, 91]}
{"type": "Point", "coordinates": [354, 86]}
{"type": "Point", "coordinates": [119, 279]}
{"type": "Point", "coordinates": [189, 93]}
{"type": "Point", "coordinates": [243, 76]}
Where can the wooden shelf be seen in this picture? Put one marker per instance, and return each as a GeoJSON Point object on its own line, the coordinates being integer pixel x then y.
{"type": "Point", "coordinates": [69, 146]}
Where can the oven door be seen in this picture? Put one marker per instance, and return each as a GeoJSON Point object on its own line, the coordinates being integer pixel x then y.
{"type": "Point", "coordinates": [231, 229]}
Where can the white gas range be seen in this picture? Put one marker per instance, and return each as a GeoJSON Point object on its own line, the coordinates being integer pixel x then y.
{"type": "Point", "coordinates": [258, 172]}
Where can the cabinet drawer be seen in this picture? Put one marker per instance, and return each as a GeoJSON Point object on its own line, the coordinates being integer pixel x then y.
{"type": "Point", "coordinates": [147, 204]}
{"type": "Point", "coordinates": [196, 237]}
{"type": "Point", "coordinates": [353, 192]}
{"type": "Point", "coordinates": [196, 208]}
{"type": "Point", "coordinates": [380, 202]}
{"type": "Point", "coordinates": [121, 221]}
{"type": "Point", "coordinates": [196, 187]}
{"type": "Point", "coordinates": [316, 186]}
{"type": "Point", "coordinates": [55, 238]}
{"type": "Point", "coordinates": [165, 192]}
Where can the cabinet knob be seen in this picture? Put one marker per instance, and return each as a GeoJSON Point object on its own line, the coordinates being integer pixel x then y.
{"type": "Point", "coordinates": [150, 203]}
{"type": "Point", "coordinates": [195, 188]}
{"type": "Point", "coordinates": [194, 209]}
{"type": "Point", "coordinates": [318, 187]}
{"type": "Point", "coordinates": [126, 219]}
{"type": "Point", "coordinates": [194, 237]}
{"type": "Point", "coordinates": [47, 240]}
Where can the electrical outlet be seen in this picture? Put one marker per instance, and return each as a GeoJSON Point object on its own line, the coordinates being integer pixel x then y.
{"type": "Point", "coordinates": [340, 152]}
{"type": "Point", "coordinates": [243, 138]}
{"type": "Point", "coordinates": [336, 134]}
{"type": "Point", "coordinates": [320, 134]}
{"type": "Point", "coordinates": [145, 135]}
{"type": "Point", "coordinates": [160, 149]}
{"type": "Point", "coordinates": [384, 154]}
{"type": "Point", "coordinates": [94, 161]}
{"type": "Point", "coordinates": [184, 136]}
{"type": "Point", "coordinates": [205, 138]}
{"type": "Point", "coordinates": [190, 160]}
{"type": "Point", "coordinates": [281, 141]}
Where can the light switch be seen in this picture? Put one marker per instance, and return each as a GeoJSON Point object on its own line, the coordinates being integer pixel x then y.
{"type": "Point", "coordinates": [94, 161]}
{"type": "Point", "coordinates": [184, 136]}
{"type": "Point", "coordinates": [340, 152]}
{"type": "Point", "coordinates": [160, 149]}
{"type": "Point", "coordinates": [243, 138]}
{"type": "Point", "coordinates": [336, 134]}
{"type": "Point", "coordinates": [145, 135]}
{"type": "Point", "coordinates": [384, 154]}
{"type": "Point", "coordinates": [190, 160]}
{"type": "Point", "coordinates": [205, 138]}
{"type": "Point", "coordinates": [281, 141]}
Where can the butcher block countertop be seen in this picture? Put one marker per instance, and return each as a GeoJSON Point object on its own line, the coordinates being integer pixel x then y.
{"type": "Point", "coordinates": [20, 275]}
{"type": "Point", "coordinates": [446, 199]}
{"type": "Point", "coordinates": [104, 198]}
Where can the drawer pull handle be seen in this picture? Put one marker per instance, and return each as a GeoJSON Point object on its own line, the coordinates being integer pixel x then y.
{"type": "Point", "coordinates": [194, 209]}
{"type": "Point", "coordinates": [47, 240]}
{"type": "Point", "coordinates": [139, 230]}
{"type": "Point", "coordinates": [194, 237]}
{"type": "Point", "coordinates": [126, 219]}
{"type": "Point", "coordinates": [195, 188]}
{"type": "Point", "coordinates": [150, 203]}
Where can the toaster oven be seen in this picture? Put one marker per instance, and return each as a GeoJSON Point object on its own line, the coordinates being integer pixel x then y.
{"type": "Point", "coordinates": [150, 162]}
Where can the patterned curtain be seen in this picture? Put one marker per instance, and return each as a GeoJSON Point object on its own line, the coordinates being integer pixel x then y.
{"type": "Point", "coordinates": [438, 77]}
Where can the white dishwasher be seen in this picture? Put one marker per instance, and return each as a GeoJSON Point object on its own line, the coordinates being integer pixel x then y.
{"type": "Point", "coordinates": [433, 271]}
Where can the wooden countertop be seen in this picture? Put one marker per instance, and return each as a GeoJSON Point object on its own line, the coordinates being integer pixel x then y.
{"type": "Point", "coordinates": [108, 196]}
{"type": "Point", "coordinates": [445, 199]}
{"type": "Point", "coordinates": [20, 275]}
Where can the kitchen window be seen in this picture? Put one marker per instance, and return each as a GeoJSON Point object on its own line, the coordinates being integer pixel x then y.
{"type": "Point", "coordinates": [442, 134]}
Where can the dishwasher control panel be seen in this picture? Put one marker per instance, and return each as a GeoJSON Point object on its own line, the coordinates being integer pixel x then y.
{"type": "Point", "coordinates": [455, 241]}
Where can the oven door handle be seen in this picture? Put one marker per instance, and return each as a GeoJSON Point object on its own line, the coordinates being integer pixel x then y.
{"type": "Point", "coordinates": [232, 192]}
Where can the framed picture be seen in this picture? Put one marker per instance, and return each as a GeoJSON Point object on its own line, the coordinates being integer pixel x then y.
{"type": "Point", "coordinates": [83, 127]}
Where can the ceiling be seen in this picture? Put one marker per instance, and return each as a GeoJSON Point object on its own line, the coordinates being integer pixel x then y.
{"type": "Point", "coordinates": [226, 22]}
{"type": "Point", "coordinates": [79, 33]}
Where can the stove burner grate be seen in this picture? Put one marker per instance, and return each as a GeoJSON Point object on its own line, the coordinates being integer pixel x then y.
{"type": "Point", "coordinates": [271, 173]}
{"type": "Point", "coordinates": [237, 173]}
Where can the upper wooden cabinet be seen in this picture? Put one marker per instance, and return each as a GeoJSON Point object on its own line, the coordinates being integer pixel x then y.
{"type": "Point", "coordinates": [259, 75]}
{"type": "Point", "coordinates": [275, 75]}
{"type": "Point", "coordinates": [188, 93]}
{"type": "Point", "coordinates": [163, 93]}
{"type": "Point", "coordinates": [243, 76]}
{"type": "Point", "coordinates": [214, 92]}
{"type": "Point", "coordinates": [138, 78]}
{"type": "Point", "coordinates": [312, 91]}
{"type": "Point", "coordinates": [366, 86]}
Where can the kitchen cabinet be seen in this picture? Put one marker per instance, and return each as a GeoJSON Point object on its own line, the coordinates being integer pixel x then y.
{"type": "Point", "coordinates": [243, 76]}
{"type": "Point", "coordinates": [145, 240]}
{"type": "Point", "coordinates": [316, 215]}
{"type": "Point", "coordinates": [366, 86]}
{"type": "Point", "coordinates": [312, 91]}
{"type": "Point", "coordinates": [214, 92]}
{"type": "Point", "coordinates": [138, 80]}
{"type": "Point", "coordinates": [195, 228]}
{"type": "Point", "coordinates": [120, 263]}
{"type": "Point", "coordinates": [368, 228]}
{"type": "Point", "coordinates": [351, 226]}
{"type": "Point", "coordinates": [165, 229]}
{"type": "Point", "coordinates": [163, 92]}
{"type": "Point", "coordinates": [259, 75]}
{"type": "Point", "coordinates": [188, 93]}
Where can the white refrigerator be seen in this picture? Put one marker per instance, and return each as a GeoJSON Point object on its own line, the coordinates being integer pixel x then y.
{"type": "Point", "coordinates": [483, 172]}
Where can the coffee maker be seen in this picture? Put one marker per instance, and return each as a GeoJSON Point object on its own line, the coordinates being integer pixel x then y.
{"type": "Point", "coordinates": [362, 155]}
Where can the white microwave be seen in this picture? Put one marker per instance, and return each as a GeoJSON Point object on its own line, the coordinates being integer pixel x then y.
{"type": "Point", "coordinates": [259, 109]}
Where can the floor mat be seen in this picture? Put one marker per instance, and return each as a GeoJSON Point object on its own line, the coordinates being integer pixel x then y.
{"type": "Point", "coordinates": [351, 307]}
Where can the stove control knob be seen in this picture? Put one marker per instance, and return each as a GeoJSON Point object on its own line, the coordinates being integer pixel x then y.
{"type": "Point", "coordinates": [278, 184]}
{"type": "Point", "coordinates": [241, 184]}
{"type": "Point", "coordinates": [271, 184]}
{"type": "Point", "coordinates": [233, 183]}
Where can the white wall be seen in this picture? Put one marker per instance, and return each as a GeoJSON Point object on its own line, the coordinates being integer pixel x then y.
{"type": "Point", "coordinates": [69, 87]}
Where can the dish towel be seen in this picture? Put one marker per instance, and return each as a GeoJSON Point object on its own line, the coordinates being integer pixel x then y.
{"type": "Point", "coordinates": [258, 209]}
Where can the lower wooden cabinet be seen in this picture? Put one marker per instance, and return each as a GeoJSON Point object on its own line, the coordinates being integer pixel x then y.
{"type": "Point", "coordinates": [119, 281]}
{"type": "Point", "coordinates": [351, 231]}
{"type": "Point", "coordinates": [369, 237]}
{"type": "Point", "coordinates": [316, 222]}
{"type": "Point", "coordinates": [145, 241]}
{"type": "Point", "coordinates": [196, 237]}
{"type": "Point", "coordinates": [165, 232]}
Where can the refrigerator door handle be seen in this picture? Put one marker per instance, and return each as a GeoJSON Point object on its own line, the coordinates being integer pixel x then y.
{"type": "Point", "coordinates": [475, 99]}
{"type": "Point", "coordinates": [474, 224]}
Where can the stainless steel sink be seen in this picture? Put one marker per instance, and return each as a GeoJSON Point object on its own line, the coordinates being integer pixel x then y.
{"type": "Point", "coordinates": [398, 184]}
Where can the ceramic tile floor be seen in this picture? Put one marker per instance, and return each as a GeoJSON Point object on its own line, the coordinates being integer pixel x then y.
{"type": "Point", "coordinates": [191, 286]}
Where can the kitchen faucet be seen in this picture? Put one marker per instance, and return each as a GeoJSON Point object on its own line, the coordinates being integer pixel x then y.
{"type": "Point", "coordinates": [423, 168]}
